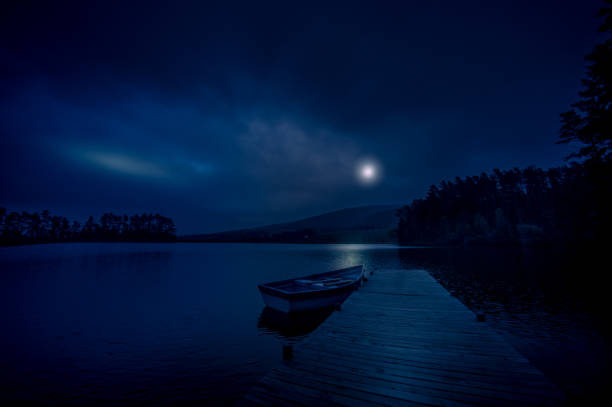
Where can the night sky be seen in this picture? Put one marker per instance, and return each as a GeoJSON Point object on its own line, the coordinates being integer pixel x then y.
{"type": "Point", "coordinates": [246, 114]}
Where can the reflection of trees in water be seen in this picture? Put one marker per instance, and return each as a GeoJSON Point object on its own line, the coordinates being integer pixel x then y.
{"type": "Point", "coordinates": [512, 276]}
{"type": "Point", "coordinates": [546, 283]}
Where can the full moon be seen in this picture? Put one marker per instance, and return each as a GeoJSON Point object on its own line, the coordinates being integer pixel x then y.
{"type": "Point", "coordinates": [368, 172]}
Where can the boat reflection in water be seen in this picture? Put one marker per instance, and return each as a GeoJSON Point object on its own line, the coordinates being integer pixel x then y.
{"type": "Point", "coordinates": [296, 307]}
{"type": "Point", "coordinates": [291, 327]}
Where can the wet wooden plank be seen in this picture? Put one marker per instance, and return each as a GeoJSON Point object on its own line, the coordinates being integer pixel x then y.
{"type": "Point", "coordinates": [402, 339]}
{"type": "Point", "coordinates": [514, 384]}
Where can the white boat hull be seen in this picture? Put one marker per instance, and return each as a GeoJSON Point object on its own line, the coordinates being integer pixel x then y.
{"type": "Point", "coordinates": [307, 304]}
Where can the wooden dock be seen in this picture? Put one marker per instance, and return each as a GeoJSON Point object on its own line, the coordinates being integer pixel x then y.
{"type": "Point", "coordinates": [403, 340]}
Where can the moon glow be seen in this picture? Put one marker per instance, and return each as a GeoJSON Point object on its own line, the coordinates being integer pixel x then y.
{"type": "Point", "coordinates": [368, 172]}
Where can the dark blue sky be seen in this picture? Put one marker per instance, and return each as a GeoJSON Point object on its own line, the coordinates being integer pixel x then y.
{"type": "Point", "coordinates": [236, 115]}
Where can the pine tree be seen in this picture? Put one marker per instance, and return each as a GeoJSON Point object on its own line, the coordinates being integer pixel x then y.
{"type": "Point", "coordinates": [589, 122]}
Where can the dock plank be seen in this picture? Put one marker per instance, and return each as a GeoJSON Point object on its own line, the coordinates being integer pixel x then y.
{"type": "Point", "coordinates": [403, 340]}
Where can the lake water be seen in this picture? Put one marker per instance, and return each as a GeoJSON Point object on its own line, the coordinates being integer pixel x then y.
{"type": "Point", "coordinates": [183, 324]}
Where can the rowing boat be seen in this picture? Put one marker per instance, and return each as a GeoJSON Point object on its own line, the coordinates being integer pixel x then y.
{"type": "Point", "coordinates": [316, 291]}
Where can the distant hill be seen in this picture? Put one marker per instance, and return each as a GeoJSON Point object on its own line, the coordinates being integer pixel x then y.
{"type": "Point", "coordinates": [366, 224]}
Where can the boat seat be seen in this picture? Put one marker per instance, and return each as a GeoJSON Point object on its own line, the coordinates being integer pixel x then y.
{"type": "Point", "coordinates": [340, 282]}
{"type": "Point", "coordinates": [322, 281]}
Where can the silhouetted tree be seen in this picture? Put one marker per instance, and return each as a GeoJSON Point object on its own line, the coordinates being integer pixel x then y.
{"type": "Point", "coordinates": [2, 221]}
{"type": "Point", "coordinates": [589, 122]}
{"type": "Point", "coordinates": [21, 228]}
{"type": "Point", "coordinates": [75, 230]}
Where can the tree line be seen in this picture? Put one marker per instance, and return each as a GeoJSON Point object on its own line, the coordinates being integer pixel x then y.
{"type": "Point", "coordinates": [520, 205]}
{"type": "Point", "coordinates": [27, 228]}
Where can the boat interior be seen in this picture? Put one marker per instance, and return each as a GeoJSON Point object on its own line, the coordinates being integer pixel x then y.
{"type": "Point", "coordinates": [319, 282]}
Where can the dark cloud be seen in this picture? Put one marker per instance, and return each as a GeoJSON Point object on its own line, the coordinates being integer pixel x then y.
{"type": "Point", "coordinates": [230, 115]}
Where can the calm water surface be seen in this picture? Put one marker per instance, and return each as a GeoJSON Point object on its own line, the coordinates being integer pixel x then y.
{"type": "Point", "coordinates": [183, 324]}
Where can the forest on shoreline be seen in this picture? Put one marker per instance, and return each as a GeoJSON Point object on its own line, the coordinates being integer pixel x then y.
{"type": "Point", "coordinates": [519, 206]}
{"type": "Point", "coordinates": [31, 228]}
